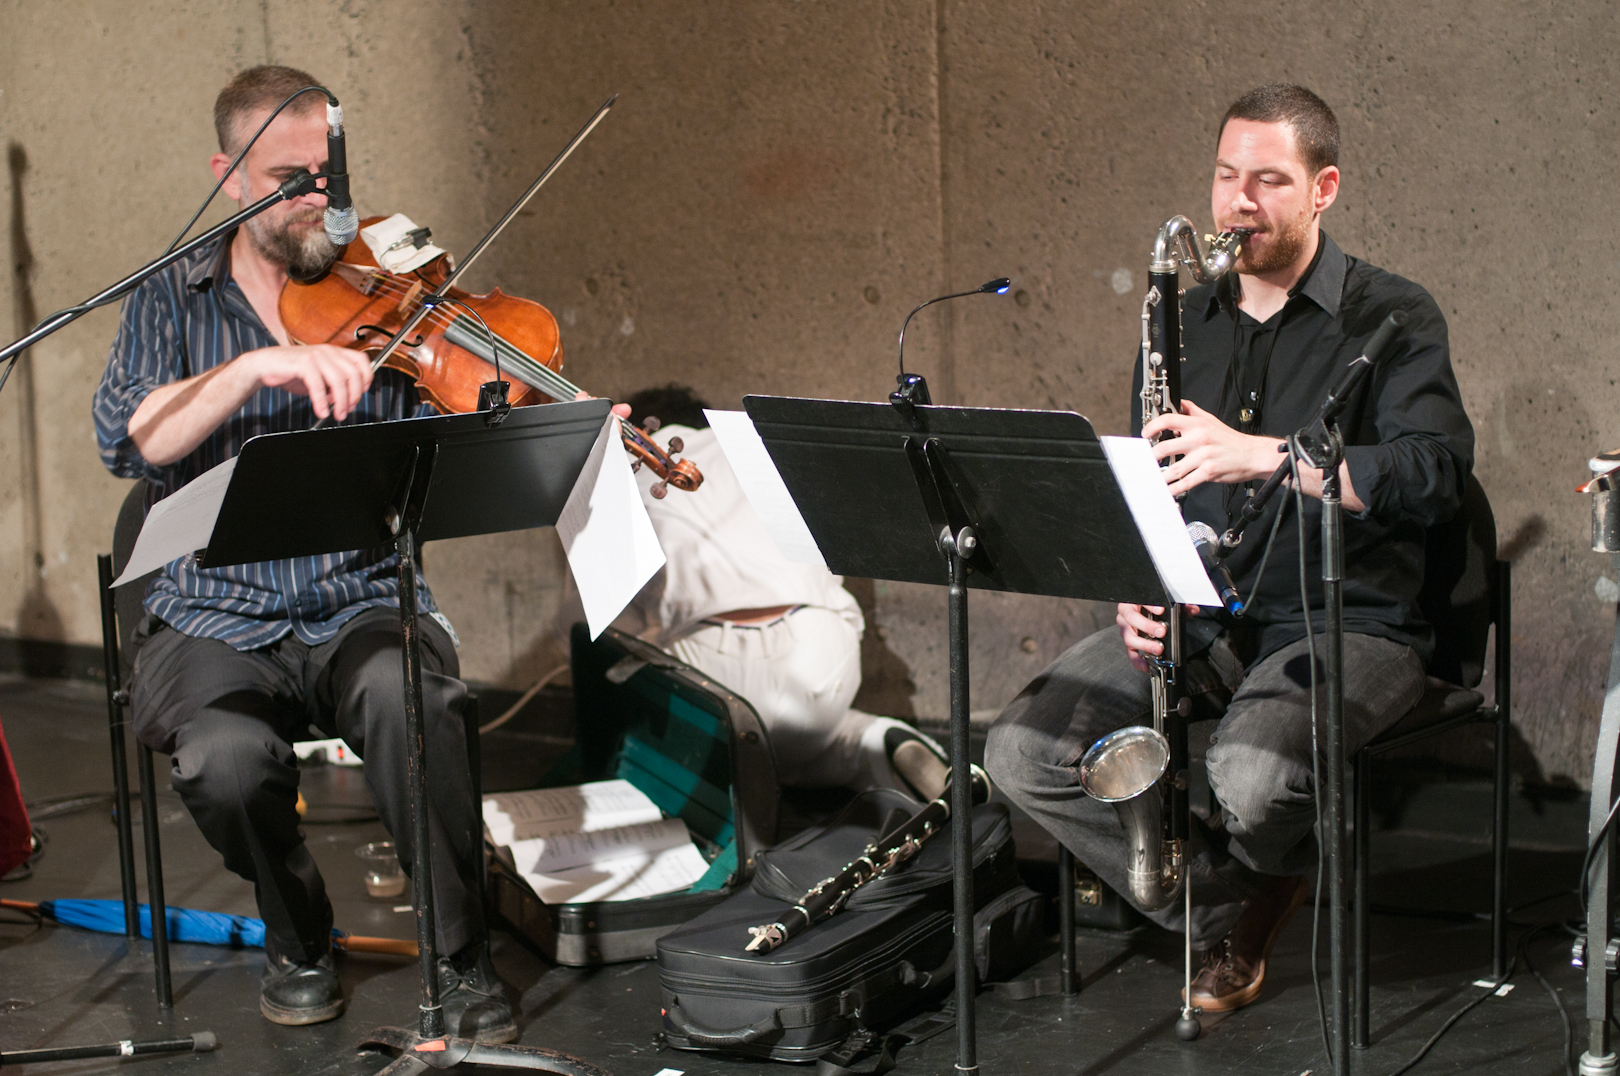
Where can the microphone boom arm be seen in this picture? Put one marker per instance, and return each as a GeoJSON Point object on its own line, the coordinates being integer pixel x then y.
{"type": "Point", "coordinates": [1315, 438]}
{"type": "Point", "coordinates": [296, 186]}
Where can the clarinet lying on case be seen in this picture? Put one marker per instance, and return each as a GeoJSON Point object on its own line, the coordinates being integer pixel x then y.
{"type": "Point", "coordinates": [827, 897]}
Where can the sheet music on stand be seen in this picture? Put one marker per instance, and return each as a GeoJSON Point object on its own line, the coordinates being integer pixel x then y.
{"type": "Point", "coordinates": [1131, 460]}
{"type": "Point", "coordinates": [605, 531]}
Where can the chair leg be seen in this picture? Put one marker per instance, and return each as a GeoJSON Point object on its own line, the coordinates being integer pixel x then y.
{"type": "Point", "coordinates": [1069, 981]}
{"type": "Point", "coordinates": [1499, 846]}
{"type": "Point", "coordinates": [154, 879]}
{"type": "Point", "coordinates": [120, 756]}
{"type": "Point", "coordinates": [1361, 1018]}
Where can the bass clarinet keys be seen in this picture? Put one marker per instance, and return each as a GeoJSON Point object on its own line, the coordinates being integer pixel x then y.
{"type": "Point", "coordinates": [1140, 770]}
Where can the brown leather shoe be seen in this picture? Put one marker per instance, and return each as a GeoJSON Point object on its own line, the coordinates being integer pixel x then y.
{"type": "Point", "coordinates": [1234, 970]}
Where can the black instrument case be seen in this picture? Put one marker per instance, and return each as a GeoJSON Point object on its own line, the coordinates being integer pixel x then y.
{"type": "Point", "coordinates": [888, 952]}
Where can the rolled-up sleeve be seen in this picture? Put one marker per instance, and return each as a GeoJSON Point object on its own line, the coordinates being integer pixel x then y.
{"type": "Point", "coordinates": [145, 354]}
{"type": "Point", "coordinates": [1416, 470]}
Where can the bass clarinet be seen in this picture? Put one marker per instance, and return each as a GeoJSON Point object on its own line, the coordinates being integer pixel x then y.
{"type": "Point", "coordinates": [1143, 771]}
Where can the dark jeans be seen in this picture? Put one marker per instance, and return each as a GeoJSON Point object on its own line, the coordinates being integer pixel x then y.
{"type": "Point", "coordinates": [229, 719]}
{"type": "Point", "coordinates": [1259, 759]}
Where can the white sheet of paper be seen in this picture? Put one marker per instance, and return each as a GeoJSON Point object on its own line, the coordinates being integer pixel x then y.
{"type": "Point", "coordinates": [625, 878]}
{"type": "Point", "coordinates": [606, 534]}
{"type": "Point", "coordinates": [1159, 520]}
{"type": "Point", "coordinates": [180, 523]}
{"type": "Point", "coordinates": [545, 812]}
{"type": "Point", "coordinates": [763, 485]}
{"type": "Point", "coordinates": [565, 851]}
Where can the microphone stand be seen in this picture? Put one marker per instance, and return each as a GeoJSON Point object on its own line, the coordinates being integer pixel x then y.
{"type": "Point", "coordinates": [296, 186]}
{"type": "Point", "coordinates": [1322, 444]}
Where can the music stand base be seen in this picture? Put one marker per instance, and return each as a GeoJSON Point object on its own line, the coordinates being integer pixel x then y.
{"type": "Point", "coordinates": [1606, 1065]}
{"type": "Point", "coordinates": [418, 1054]}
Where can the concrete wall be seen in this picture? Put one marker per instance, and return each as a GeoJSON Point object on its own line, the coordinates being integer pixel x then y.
{"type": "Point", "coordinates": [782, 180]}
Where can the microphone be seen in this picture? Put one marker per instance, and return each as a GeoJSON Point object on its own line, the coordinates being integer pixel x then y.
{"type": "Point", "coordinates": [342, 222]}
{"type": "Point", "coordinates": [1208, 545]}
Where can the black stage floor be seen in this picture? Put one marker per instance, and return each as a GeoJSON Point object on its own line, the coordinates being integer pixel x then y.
{"type": "Point", "coordinates": [63, 986]}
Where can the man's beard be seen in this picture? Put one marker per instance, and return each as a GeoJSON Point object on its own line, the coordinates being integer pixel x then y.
{"type": "Point", "coordinates": [303, 258]}
{"type": "Point", "coordinates": [1287, 243]}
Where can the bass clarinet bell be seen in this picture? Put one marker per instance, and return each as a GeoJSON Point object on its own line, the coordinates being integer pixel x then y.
{"type": "Point", "coordinates": [1132, 768]}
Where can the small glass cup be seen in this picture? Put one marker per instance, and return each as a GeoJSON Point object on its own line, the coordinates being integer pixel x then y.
{"type": "Point", "coordinates": [384, 876]}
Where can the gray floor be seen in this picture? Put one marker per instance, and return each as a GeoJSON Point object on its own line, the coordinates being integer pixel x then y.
{"type": "Point", "coordinates": [63, 986]}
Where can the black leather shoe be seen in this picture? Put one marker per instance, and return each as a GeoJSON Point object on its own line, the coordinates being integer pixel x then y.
{"type": "Point", "coordinates": [294, 993]}
{"type": "Point", "coordinates": [474, 998]}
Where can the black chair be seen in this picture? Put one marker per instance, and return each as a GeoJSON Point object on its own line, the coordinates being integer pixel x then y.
{"type": "Point", "coordinates": [120, 615]}
{"type": "Point", "coordinates": [1466, 590]}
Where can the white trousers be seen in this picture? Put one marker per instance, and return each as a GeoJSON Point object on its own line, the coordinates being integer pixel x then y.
{"type": "Point", "coordinates": [801, 672]}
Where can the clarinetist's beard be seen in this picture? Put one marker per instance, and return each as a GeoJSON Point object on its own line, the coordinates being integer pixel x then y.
{"type": "Point", "coordinates": [1271, 249]}
{"type": "Point", "coordinates": [304, 252]}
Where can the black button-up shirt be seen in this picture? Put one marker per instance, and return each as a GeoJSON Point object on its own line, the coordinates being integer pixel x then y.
{"type": "Point", "coordinates": [1409, 444]}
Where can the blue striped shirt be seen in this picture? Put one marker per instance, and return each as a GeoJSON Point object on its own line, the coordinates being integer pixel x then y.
{"type": "Point", "coordinates": [184, 321]}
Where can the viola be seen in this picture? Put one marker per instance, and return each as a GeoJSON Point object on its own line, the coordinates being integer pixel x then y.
{"type": "Point", "coordinates": [360, 305]}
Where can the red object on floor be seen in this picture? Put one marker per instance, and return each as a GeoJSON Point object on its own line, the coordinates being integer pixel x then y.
{"type": "Point", "coordinates": [14, 842]}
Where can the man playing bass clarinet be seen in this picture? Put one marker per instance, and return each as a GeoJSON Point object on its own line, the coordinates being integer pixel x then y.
{"type": "Point", "coordinates": [1263, 345]}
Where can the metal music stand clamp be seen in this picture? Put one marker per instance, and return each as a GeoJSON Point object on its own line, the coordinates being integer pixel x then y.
{"type": "Point", "coordinates": [1016, 501]}
{"type": "Point", "coordinates": [1598, 949]}
{"type": "Point", "coordinates": [403, 483]}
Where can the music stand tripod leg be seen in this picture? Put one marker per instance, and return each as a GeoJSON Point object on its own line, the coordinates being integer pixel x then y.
{"type": "Point", "coordinates": [428, 1046]}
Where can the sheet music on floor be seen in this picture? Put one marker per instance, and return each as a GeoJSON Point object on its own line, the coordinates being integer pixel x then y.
{"type": "Point", "coordinates": [605, 840]}
{"type": "Point", "coordinates": [606, 534]}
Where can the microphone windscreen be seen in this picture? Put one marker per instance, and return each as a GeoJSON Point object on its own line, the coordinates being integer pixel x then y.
{"type": "Point", "coordinates": [342, 225]}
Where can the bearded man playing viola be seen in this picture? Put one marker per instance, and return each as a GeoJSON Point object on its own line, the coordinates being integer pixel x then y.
{"type": "Point", "coordinates": [1263, 345]}
{"type": "Point", "coordinates": [235, 664]}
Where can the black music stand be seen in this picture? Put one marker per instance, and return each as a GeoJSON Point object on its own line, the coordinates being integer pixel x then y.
{"type": "Point", "coordinates": [404, 483]}
{"type": "Point", "coordinates": [1020, 501]}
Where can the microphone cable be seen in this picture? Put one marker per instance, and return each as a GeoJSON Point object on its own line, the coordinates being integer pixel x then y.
{"type": "Point", "coordinates": [1265, 556]}
{"type": "Point", "coordinates": [235, 164]}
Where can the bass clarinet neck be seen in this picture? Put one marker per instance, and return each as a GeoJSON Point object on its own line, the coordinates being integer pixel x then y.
{"type": "Point", "coordinates": [1177, 246]}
